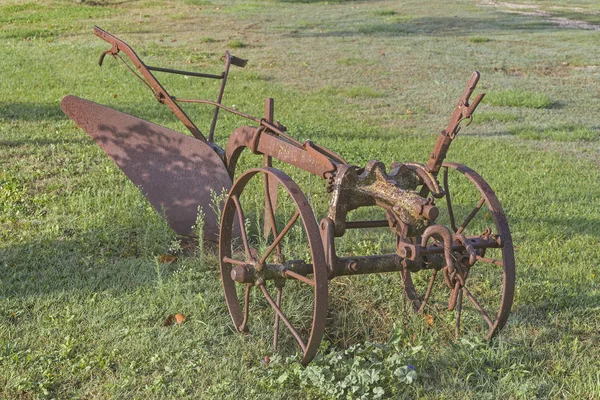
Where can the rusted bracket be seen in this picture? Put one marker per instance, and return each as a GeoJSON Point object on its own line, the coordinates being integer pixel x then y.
{"type": "Point", "coordinates": [427, 179]}
{"type": "Point", "coordinates": [354, 187]}
{"type": "Point", "coordinates": [261, 141]}
{"type": "Point", "coordinates": [113, 52]}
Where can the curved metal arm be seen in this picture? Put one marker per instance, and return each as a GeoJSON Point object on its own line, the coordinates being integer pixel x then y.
{"type": "Point", "coordinates": [443, 233]}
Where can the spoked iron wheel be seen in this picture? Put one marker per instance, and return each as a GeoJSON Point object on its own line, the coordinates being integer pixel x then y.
{"type": "Point", "coordinates": [273, 270]}
{"type": "Point", "coordinates": [481, 295]}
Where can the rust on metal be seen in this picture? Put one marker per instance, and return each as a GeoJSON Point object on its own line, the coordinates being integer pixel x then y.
{"type": "Point", "coordinates": [276, 243]}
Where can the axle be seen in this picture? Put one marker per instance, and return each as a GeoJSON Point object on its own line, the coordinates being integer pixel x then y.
{"type": "Point", "coordinates": [430, 257]}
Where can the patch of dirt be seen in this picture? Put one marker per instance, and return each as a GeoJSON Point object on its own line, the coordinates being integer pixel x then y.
{"type": "Point", "coordinates": [587, 68]}
{"type": "Point", "coordinates": [574, 24]}
{"type": "Point", "coordinates": [575, 9]}
{"type": "Point", "coordinates": [536, 11]}
{"type": "Point", "coordinates": [560, 70]}
{"type": "Point", "coordinates": [512, 6]}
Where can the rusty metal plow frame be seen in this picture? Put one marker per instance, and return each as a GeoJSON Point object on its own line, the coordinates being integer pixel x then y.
{"type": "Point", "coordinates": [407, 193]}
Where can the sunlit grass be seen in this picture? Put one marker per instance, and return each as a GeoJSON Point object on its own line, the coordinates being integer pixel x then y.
{"type": "Point", "coordinates": [518, 98]}
{"type": "Point", "coordinates": [563, 133]}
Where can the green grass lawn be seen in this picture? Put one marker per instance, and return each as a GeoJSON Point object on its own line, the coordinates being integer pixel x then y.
{"type": "Point", "coordinates": [83, 296]}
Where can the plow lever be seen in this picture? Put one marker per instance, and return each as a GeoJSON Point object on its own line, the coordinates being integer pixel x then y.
{"type": "Point", "coordinates": [463, 111]}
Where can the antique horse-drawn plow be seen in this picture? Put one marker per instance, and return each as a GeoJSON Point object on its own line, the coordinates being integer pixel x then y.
{"type": "Point", "coordinates": [269, 239]}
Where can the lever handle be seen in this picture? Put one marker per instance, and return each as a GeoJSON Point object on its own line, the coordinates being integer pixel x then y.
{"type": "Point", "coordinates": [471, 85]}
{"type": "Point", "coordinates": [238, 62]}
{"type": "Point", "coordinates": [101, 60]}
{"type": "Point", "coordinates": [469, 111]}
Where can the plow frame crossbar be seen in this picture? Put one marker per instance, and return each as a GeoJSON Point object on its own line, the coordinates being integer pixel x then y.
{"type": "Point", "coordinates": [161, 94]}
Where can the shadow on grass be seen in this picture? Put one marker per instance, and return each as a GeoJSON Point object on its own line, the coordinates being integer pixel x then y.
{"type": "Point", "coordinates": [115, 259]}
{"type": "Point", "coordinates": [567, 226]}
{"type": "Point", "coordinates": [26, 111]}
{"type": "Point", "coordinates": [31, 111]}
{"type": "Point", "coordinates": [571, 301]}
{"type": "Point", "coordinates": [44, 142]}
{"type": "Point", "coordinates": [438, 26]}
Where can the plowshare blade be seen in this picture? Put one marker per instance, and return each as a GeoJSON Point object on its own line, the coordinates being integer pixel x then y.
{"type": "Point", "coordinates": [175, 172]}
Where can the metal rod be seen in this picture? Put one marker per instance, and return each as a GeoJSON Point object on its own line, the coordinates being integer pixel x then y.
{"type": "Point", "coordinates": [352, 265]}
{"type": "Point", "coordinates": [490, 261]}
{"type": "Point", "coordinates": [428, 292]}
{"type": "Point", "coordinates": [234, 261]}
{"type": "Point", "coordinates": [213, 123]}
{"type": "Point", "coordinates": [242, 327]}
{"type": "Point", "coordinates": [276, 324]}
{"type": "Point", "coordinates": [214, 103]}
{"type": "Point", "coordinates": [449, 201]}
{"type": "Point", "coordinates": [188, 73]}
{"type": "Point", "coordinates": [458, 313]}
{"type": "Point", "coordinates": [270, 110]}
{"type": "Point", "coordinates": [373, 264]}
{"type": "Point", "coordinates": [454, 296]}
{"type": "Point", "coordinates": [367, 224]}
{"type": "Point", "coordinates": [475, 241]}
{"type": "Point", "coordinates": [271, 186]}
{"type": "Point", "coordinates": [269, 224]}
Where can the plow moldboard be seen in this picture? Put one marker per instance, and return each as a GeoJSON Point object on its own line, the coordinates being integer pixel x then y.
{"type": "Point", "coordinates": [175, 172]}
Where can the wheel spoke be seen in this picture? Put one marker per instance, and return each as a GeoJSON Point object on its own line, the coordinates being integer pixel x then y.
{"type": "Point", "coordinates": [458, 312]}
{"type": "Point", "coordinates": [490, 261]}
{"type": "Point", "coordinates": [478, 306]}
{"type": "Point", "coordinates": [279, 237]}
{"type": "Point", "coordinates": [276, 324]}
{"type": "Point", "coordinates": [241, 221]}
{"type": "Point", "coordinates": [270, 209]}
{"type": "Point", "coordinates": [242, 326]}
{"type": "Point", "coordinates": [471, 216]}
{"type": "Point", "coordinates": [285, 320]}
{"type": "Point", "coordinates": [299, 277]}
{"type": "Point", "coordinates": [449, 201]}
{"type": "Point", "coordinates": [428, 292]}
{"type": "Point", "coordinates": [230, 260]}
{"type": "Point", "coordinates": [410, 292]}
